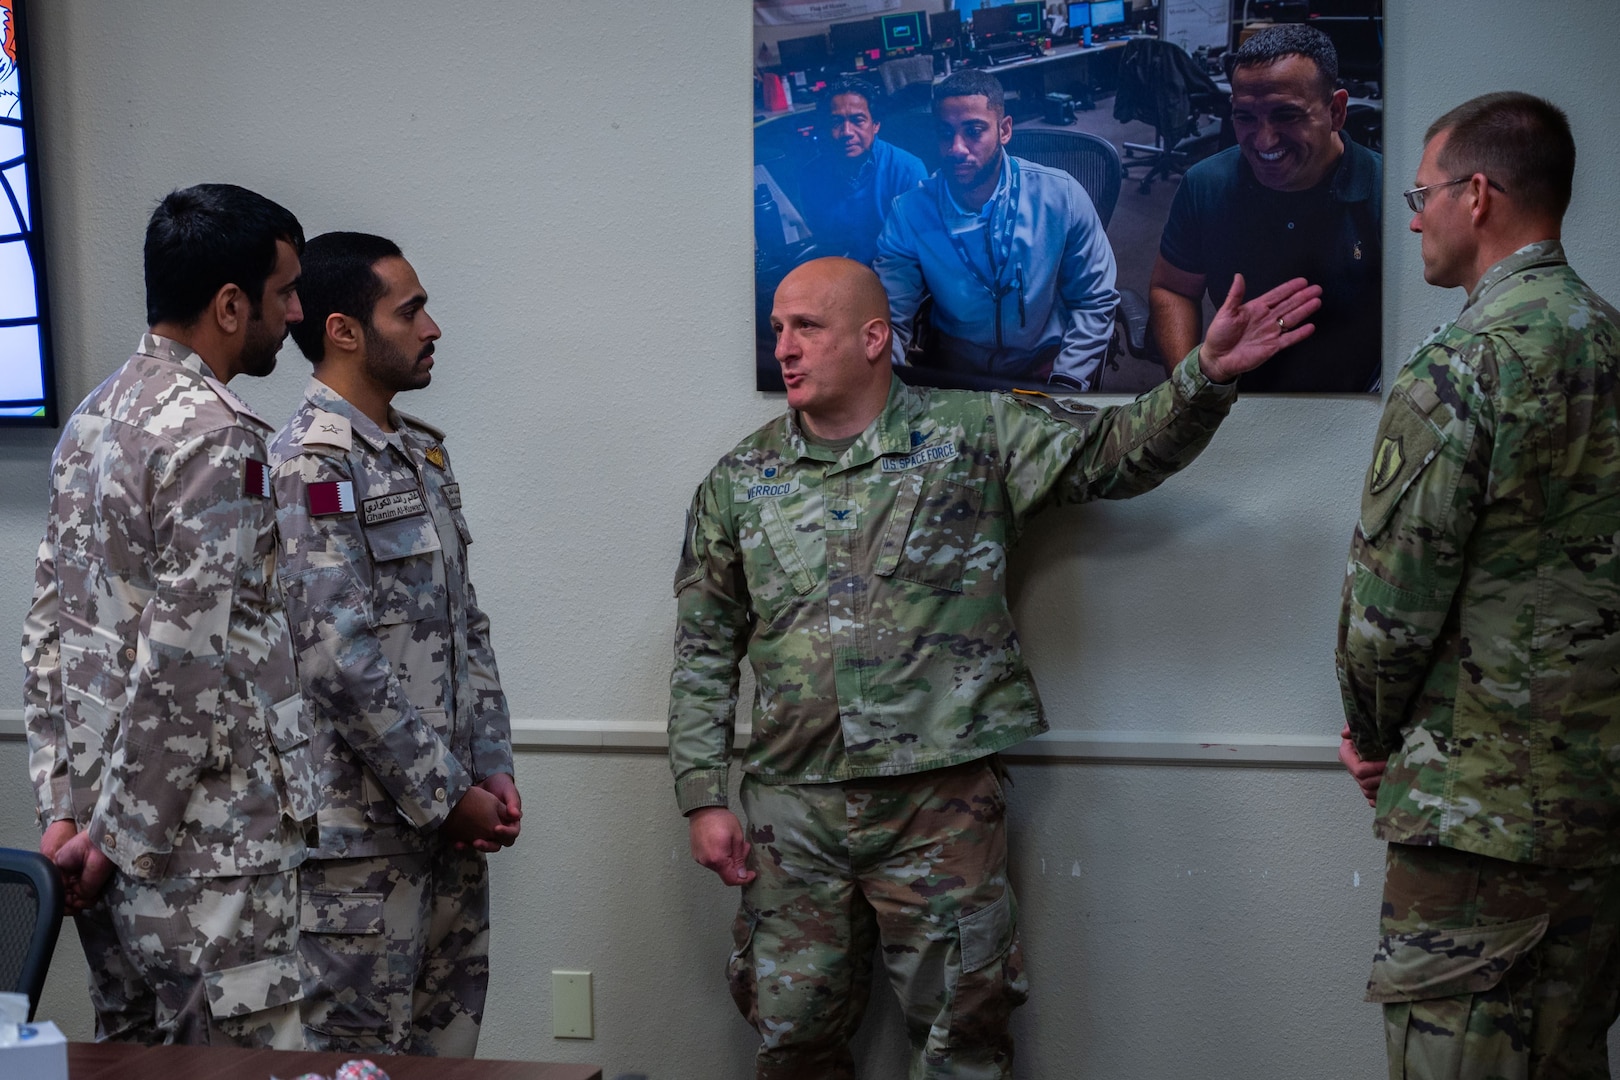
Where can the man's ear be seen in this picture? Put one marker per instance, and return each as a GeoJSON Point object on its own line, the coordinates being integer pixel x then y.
{"type": "Point", "coordinates": [1338, 108]}
{"type": "Point", "coordinates": [343, 333]}
{"type": "Point", "coordinates": [1484, 198]}
{"type": "Point", "coordinates": [876, 339]}
{"type": "Point", "coordinates": [230, 309]}
{"type": "Point", "coordinates": [1005, 127]}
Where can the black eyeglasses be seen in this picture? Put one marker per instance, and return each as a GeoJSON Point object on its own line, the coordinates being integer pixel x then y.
{"type": "Point", "coordinates": [1416, 197]}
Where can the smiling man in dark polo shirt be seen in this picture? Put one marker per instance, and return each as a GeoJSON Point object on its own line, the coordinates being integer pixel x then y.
{"type": "Point", "coordinates": [1294, 198]}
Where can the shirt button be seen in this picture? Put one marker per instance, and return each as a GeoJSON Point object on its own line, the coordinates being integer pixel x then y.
{"type": "Point", "coordinates": [129, 654]}
{"type": "Point", "coordinates": [112, 843]}
{"type": "Point", "coordinates": [439, 794]}
{"type": "Point", "coordinates": [144, 863]}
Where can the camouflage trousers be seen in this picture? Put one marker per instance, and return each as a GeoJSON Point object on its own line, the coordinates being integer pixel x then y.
{"type": "Point", "coordinates": [395, 952]}
{"type": "Point", "coordinates": [1493, 970]}
{"type": "Point", "coordinates": [916, 865]}
{"type": "Point", "coordinates": [125, 1007]}
{"type": "Point", "coordinates": [218, 954]}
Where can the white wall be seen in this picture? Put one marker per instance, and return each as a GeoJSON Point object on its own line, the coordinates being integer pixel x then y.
{"type": "Point", "coordinates": [574, 193]}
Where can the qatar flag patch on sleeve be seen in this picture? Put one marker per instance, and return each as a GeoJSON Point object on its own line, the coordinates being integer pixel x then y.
{"type": "Point", "coordinates": [256, 479]}
{"type": "Point", "coordinates": [332, 497]}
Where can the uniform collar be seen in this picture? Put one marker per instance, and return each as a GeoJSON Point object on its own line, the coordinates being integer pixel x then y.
{"type": "Point", "coordinates": [889, 433]}
{"type": "Point", "coordinates": [161, 348]}
{"type": "Point", "coordinates": [1540, 253]}
{"type": "Point", "coordinates": [324, 397]}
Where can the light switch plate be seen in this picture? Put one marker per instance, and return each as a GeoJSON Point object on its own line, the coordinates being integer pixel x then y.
{"type": "Point", "coordinates": [571, 1005]}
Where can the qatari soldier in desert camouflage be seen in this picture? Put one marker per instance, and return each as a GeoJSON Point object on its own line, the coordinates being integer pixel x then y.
{"type": "Point", "coordinates": [166, 743]}
{"type": "Point", "coordinates": [411, 729]}
{"type": "Point", "coordinates": [1479, 643]}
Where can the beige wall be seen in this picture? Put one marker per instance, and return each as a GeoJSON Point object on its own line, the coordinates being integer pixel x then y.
{"type": "Point", "coordinates": [575, 196]}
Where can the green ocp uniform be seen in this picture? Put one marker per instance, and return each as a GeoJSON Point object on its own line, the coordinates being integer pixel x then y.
{"type": "Point", "coordinates": [1479, 652]}
{"type": "Point", "coordinates": [867, 588]}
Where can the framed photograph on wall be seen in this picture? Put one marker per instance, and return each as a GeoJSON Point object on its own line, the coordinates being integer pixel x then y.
{"type": "Point", "coordinates": [1057, 196]}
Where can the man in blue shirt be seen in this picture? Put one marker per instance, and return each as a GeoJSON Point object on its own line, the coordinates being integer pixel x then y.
{"type": "Point", "coordinates": [845, 191]}
{"type": "Point", "coordinates": [1294, 198]}
{"type": "Point", "coordinates": [1012, 253]}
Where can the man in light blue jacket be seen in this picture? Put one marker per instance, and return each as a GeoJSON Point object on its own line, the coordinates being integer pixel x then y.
{"type": "Point", "coordinates": [1012, 252]}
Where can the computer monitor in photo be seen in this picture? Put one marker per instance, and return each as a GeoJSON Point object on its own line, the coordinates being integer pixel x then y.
{"type": "Point", "coordinates": [803, 53]}
{"type": "Point", "coordinates": [1080, 15]}
{"type": "Point", "coordinates": [849, 39]}
{"type": "Point", "coordinates": [1108, 13]}
{"type": "Point", "coordinates": [903, 30]}
{"type": "Point", "coordinates": [989, 21]}
{"type": "Point", "coordinates": [27, 383]}
{"type": "Point", "coordinates": [1029, 18]}
{"type": "Point", "coordinates": [944, 26]}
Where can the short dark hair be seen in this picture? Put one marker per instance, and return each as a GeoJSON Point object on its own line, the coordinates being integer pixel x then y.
{"type": "Point", "coordinates": [340, 278]}
{"type": "Point", "coordinates": [848, 84]}
{"type": "Point", "coordinates": [1266, 47]}
{"type": "Point", "coordinates": [971, 82]}
{"type": "Point", "coordinates": [1519, 140]}
{"type": "Point", "coordinates": [203, 238]}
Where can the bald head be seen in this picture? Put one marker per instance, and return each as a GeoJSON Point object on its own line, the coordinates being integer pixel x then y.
{"type": "Point", "coordinates": [845, 287]}
{"type": "Point", "coordinates": [831, 319]}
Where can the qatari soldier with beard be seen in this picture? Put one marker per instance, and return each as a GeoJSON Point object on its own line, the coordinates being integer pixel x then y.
{"type": "Point", "coordinates": [169, 758]}
{"type": "Point", "coordinates": [412, 737]}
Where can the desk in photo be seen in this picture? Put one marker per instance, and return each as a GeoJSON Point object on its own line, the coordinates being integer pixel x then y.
{"type": "Point", "coordinates": [122, 1061]}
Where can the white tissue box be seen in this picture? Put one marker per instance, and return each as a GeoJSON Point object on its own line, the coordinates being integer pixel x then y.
{"type": "Point", "coordinates": [40, 1054]}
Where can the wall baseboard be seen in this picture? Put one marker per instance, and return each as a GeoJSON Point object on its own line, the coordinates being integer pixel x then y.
{"type": "Point", "coordinates": [1114, 747]}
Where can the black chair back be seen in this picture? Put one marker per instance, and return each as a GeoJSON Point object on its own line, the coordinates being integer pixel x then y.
{"type": "Point", "coordinates": [1090, 159]}
{"type": "Point", "coordinates": [30, 919]}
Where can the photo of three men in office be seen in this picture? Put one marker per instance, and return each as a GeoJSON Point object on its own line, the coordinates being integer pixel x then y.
{"type": "Point", "coordinates": [1003, 271]}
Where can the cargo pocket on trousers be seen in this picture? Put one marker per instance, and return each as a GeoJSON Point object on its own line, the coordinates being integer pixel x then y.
{"type": "Point", "coordinates": [740, 968]}
{"type": "Point", "coordinates": [345, 955]}
{"type": "Point", "coordinates": [1455, 996]}
{"type": "Point", "coordinates": [243, 1002]}
{"type": "Point", "coordinates": [991, 982]}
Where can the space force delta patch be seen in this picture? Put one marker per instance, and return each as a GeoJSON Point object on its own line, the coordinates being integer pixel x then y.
{"type": "Point", "coordinates": [332, 497]}
{"type": "Point", "coordinates": [926, 456]}
{"type": "Point", "coordinates": [256, 479]}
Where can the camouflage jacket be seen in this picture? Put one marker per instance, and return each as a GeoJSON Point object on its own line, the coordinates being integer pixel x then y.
{"type": "Point", "coordinates": [1479, 644]}
{"type": "Point", "coordinates": [393, 651]}
{"type": "Point", "coordinates": [161, 705]}
{"type": "Point", "coordinates": [869, 592]}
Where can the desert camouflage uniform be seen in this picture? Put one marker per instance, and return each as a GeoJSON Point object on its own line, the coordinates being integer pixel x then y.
{"type": "Point", "coordinates": [395, 660]}
{"type": "Point", "coordinates": [868, 591]}
{"type": "Point", "coordinates": [1479, 651]}
{"type": "Point", "coordinates": [125, 1009]}
{"type": "Point", "coordinates": [163, 712]}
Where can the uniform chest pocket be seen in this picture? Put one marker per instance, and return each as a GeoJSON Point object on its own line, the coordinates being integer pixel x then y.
{"type": "Point", "coordinates": [405, 570]}
{"type": "Point", "coordinates": [932, 530]}
{"type": "Point", "coordinates": [776, 567]}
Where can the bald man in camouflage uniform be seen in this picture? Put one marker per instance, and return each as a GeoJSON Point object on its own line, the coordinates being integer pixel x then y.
{"type": "Point", "coordinates": [412, 733]}
{"type": "Point", "coordinates": [164, 721]}
{"type": "Point", "coordinates": [1479, 645]}
{"type": "Point", "coordinates": [855, 551]}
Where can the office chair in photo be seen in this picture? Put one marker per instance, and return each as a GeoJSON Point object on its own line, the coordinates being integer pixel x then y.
{"type": "Point", "coordinates": [1159, 84]}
